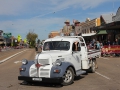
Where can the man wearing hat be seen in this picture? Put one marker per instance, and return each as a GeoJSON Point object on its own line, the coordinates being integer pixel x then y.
{"type": "Point", "coordinates": [77, 29]}
{"type": "Point", "coordinates": [67, 29]}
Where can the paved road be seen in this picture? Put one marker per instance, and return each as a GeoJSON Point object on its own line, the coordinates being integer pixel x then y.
{"type": "Point", "coordinates": [107, 76]}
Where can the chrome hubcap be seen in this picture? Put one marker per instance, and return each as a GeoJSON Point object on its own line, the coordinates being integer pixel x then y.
{"type": "Point", "coordinates": [68, 76]}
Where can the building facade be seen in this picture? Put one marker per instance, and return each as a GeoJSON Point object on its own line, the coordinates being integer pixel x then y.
{"type": "Point", "coordinates": [1, 38]}
{"type": "Point", "coordinates": [117, 16]}
{"type": "Point", "coordinates": [53, 34]}
{"type": "Point", "coordinates": [88, 25]}
{"type": "Point", "coordinates": [109, 30]}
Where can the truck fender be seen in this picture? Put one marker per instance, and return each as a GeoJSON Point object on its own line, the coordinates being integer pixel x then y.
{"type": "Point", "coordinates": [62, 69]}
{"type": "Point", "coordinates": [26, 68]}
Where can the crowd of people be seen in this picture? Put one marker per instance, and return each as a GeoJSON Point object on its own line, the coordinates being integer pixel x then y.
{"type": "Point", "coordinates": [94, 45]}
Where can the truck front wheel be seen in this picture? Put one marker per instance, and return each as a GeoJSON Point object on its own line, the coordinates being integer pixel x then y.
{"type": "Point", "coordinates": [68, 77]}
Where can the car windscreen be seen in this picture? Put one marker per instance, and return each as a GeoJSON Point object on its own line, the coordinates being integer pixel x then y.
{"type": "Point", "coordinates": [56, 45]}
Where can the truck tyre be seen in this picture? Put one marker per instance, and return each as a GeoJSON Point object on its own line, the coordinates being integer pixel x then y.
{"type": "Point", "coordinates": [68, 77]}
{"type": "Point", "coordinates": [93, 67]}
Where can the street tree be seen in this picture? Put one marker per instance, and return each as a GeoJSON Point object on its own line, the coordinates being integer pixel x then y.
{"type": "Point", "coordinates": [31, 37]}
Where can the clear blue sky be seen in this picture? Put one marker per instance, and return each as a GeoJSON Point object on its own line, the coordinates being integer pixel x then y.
{"type": "Point", "coordinates": [43, 16]}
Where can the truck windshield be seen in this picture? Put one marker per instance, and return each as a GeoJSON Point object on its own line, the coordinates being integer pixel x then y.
{"type": "Point", "coordinates": [56, 45]}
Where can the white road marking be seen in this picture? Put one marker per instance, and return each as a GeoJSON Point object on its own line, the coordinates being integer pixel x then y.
{"type": "Point", "coordinates": [10, 57]}
{"type": "Point", "coordinates": [102, 75]}
{"type": "Point", "coordinates": [105, 58]}
{"type": "Point", "coordinates": [118, 65]}
{"type": "Point", "coordinates": [17, 62]}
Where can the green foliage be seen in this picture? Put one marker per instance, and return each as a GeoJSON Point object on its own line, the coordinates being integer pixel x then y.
{"type": "Point", "coordinates": [31, 37]}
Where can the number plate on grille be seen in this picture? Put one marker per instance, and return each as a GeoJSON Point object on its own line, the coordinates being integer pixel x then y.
{"type": "Point", "coordinates": [37, 79]}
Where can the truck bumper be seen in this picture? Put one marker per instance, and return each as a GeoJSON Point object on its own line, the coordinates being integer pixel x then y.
{"type": "Point", "coordinates": [38, 79]}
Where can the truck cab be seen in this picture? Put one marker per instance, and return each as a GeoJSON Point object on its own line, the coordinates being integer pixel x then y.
{"type": "Point", "coordinates": [61, 59]}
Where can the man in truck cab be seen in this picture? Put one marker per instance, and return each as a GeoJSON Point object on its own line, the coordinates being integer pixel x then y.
{"type": "Point", "coordinates": [76, 46]}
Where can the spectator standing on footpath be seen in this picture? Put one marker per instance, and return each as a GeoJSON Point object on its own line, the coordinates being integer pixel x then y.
{"type": "Point", "coordinates": [116, 42]}
{"type": "Point", "coordinates": [98, 45]}
{"type": "Point", "coordinates": [77, 28]}
{"type": "Point", "coordinates": [67, 29]}
{"type": "Point", "coordinates": [101, 45]}
{"type": "Point", "coordinates": [36, 47]}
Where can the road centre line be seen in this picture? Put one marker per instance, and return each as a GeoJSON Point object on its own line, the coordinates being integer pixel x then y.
{"type": "Point", "coordinates": [103, 75]}
{"type": "Point", "coordinates": [17, 62]}
{"type": "Point", "coordinates": [105, 58]}
{"type": "Point", "coordinates": [11, 56]}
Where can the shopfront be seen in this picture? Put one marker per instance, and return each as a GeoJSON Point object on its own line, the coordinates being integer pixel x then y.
{"type": "Point", "coordinates": [109, 32]}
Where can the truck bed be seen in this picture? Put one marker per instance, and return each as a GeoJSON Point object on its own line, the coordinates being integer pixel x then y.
{"type": "Point", "coordinates": [93, 53]}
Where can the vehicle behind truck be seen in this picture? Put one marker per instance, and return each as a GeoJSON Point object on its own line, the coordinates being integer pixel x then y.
{"type": "Point", "coordinates": [62, 58]}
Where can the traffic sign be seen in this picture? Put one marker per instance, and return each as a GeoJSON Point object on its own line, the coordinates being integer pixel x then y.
{"type": "Point", "coordinates": [7, 35]}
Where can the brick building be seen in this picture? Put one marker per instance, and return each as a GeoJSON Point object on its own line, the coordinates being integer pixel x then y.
{"type": "Point", "coordinates": [53, 34]}
{"type": "Point", "coordinates": [1, 38]}
{"type": "Point", "coordinates": [88, 25]}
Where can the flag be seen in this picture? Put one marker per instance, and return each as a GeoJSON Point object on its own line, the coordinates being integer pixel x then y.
{"type": "Point", "coordinates": [18, 38]}
{"type": "Point", "coordinates": [25, 40]}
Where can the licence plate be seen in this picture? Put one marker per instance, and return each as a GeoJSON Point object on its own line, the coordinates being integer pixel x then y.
{"type": "Point", "coordinates": [37, 79]}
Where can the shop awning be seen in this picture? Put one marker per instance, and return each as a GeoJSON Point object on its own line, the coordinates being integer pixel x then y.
{"type": "Point", "coordinates": [88, 34]}
{"type": "Point", "coordinates": [1, 42]}
{"type": "Point", "coordinates": [102, 32]}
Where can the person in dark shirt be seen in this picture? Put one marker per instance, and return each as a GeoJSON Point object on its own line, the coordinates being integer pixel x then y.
{"type": "Point", "coordinates": [116, 42]}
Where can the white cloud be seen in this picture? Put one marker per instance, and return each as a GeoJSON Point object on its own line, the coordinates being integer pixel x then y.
{"type": "Point", "coordinates": [40, 26]}
{"type": "Point", "coordinates": [11, 7]}
{"type": "Point", "coordinates": [41, 8]}
{"type": "Point", "coordinates": [15, 7]}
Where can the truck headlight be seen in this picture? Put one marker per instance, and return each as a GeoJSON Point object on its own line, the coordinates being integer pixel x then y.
{"type": "Point", "coordinates": [58, 62]}
{"type": "Point", "coordinates": [24, 61]}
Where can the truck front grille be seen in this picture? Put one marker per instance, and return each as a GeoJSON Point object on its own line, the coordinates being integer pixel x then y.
{"type": "Point", "coordinates": [33, 72]}
{"type": "Point", "coordinates": [43, 61]}
{"type": "Point", "coordinates": [44, 73]}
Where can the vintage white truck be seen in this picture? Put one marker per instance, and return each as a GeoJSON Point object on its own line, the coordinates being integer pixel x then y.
{"type": "Point", "coordinates": [60, 61]}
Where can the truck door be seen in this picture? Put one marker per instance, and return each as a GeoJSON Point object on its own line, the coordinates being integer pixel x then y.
{"type": "Point", "coordinates": [76, 55]}
{"type": "Point", "coordinates": [84, 52]}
